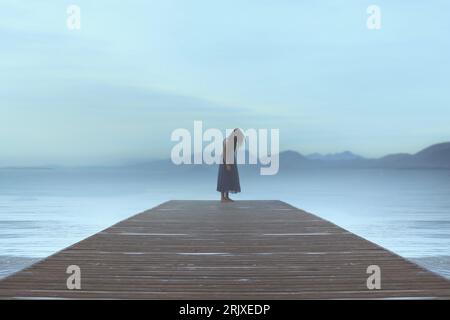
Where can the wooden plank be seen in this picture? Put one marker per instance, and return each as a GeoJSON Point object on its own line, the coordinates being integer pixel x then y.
{"type": "Point", "coordinates": [210, 250]}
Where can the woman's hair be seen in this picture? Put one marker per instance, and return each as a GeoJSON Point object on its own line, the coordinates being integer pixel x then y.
{"type": "Point", "coordinates": [232, 143]}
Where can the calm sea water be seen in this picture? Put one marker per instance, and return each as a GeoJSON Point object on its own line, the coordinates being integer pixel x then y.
{"type": "Point", "coordinates": [43, 211]}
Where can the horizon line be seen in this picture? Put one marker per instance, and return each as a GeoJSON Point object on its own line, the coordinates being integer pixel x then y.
{"type": "Point", "coordinates": [141, 161]}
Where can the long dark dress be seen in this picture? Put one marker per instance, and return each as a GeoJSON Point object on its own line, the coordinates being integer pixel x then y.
{"type": "Point", "coordinates": [228, 180]}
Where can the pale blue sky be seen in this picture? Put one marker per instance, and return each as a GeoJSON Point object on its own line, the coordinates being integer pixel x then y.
{"type": "Point", "coordinates": [136, 70]}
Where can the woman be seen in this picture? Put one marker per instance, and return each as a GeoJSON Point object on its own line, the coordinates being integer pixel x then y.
{"type": "Point", "coordinates": [228, 179]}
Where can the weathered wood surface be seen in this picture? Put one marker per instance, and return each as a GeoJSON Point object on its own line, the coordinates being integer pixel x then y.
{"type": "Point", "coordinates": [209, 250]}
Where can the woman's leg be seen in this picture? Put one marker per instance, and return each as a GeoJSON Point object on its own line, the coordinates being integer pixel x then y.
{"type": "Point", "coordinates": [228, 196]}
{"type": "Point", "coordinates": [223, 197]}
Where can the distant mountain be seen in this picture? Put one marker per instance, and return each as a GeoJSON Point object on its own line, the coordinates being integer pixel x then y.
{"type": "Point", "coordinates": [293, 160]}
{"type": "Point", "coordinates": [346, 155]}
{"type": "Point", "coordinates": [435, 157]}
{"type": "Point", "coordinates": [396, 159]}
{"type": "Point", "coordinates": [292, 156]}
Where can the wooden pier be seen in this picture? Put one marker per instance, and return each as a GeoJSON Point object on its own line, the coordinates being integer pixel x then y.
{"type": "Point", "coordinates": [210, 250]}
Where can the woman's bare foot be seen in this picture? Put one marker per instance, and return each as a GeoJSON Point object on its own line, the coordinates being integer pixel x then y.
{"type": "Point", "coordinates": [225, 200]}
{"type": "Point", "coordinates": [230, 200]}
